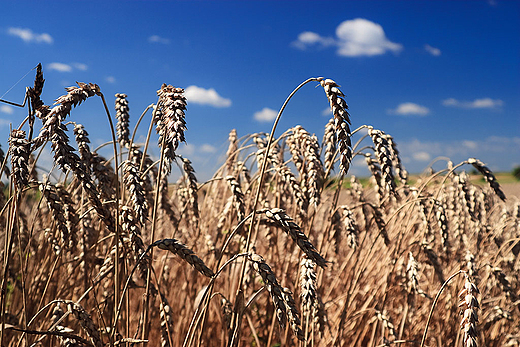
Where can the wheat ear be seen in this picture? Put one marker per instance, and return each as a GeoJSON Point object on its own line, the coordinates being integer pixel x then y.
{"type": "Point", "coordinates": [286, 223]}
{"type": "Point", "coordinates": [469, 306]}
{"type": "Point", "coordinates": [123, 120]}
{"type": "Point", "coordinates": [185, 253]}
{"type": "Point", "coordinates": [19, 151]}
{"type": "Point", "coordinates": [271, 283]}
{"type": "Point", "coordinates": [341, 121]}
{"type": "Point", "coordinates": [488, 176]}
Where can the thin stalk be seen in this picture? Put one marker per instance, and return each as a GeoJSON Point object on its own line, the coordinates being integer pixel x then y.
{"type": "Point", "coordinates": [435, 302]}
{"type": "Point", "coordinates": [152, 236]}
{"type": "Point", "coordinates": [116, 260]}
{"type": "Point", "coordinates": [7, 257]}
{"type": "Point", "coordinates": [139, 122]}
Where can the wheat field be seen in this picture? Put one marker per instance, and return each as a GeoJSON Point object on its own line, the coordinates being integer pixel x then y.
{"type": "Point", "coordinates": [281, 247]}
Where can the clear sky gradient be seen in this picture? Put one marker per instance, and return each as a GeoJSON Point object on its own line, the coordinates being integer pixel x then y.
{"type": "Point", "coordinates": [442, 77]}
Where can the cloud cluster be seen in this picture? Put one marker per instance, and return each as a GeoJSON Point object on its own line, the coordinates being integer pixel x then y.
{"type": "Point", "coordinates": [28, 35]}
{"type": "Point", "coordinates": [409, 109]}
{"type": "Point", "coordinates": [198, 95]}
{"type": "Point", "coordinates": [61, 67]}
{"type": "Point", "coordinates": [265, 115]}
{"type": "Point", "coordinates": [475, 104]}
{"type": "Point", "coordinates": [354, 38]}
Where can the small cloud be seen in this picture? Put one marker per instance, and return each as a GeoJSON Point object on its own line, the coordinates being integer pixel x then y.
{"type": "Point", "coordinates": [59, 67]}
{"type": "Point", "coordinates": [158, 39]}
{"type": "Point", "coordinates": [475, 104]}
{"type": "Point", "coordinates": [80, 66]}
{"type": "Point", "coordinates": [432, 50]}
{"type": "Point", "coordinates": [361, 37]}
{"type": "Point", "coordinates": [410, 109]}
{"type": "Point", "coordinates": [354, 38]}
{"type": "Point", "coordinates": [186, 149]}
{"type": "Point", "coordinates": [266, 115]}
{"type": "Point", "coordinates": [207, 148]}
{"type": "Point", "coordinates": [421, 156]}
{"type": "Point", "coordinates": [110, 79]}
{"type": "Point", "coordinates": [326, 112]}
{"type": "Point", "coordinates": [203, 96]}
{"type": "Point", "coordinates": [6, 109]}
{"type": "Point", "coordinates": [308, 38]}
{"type": "Point", "coordinates": [29, 36]}
{"type": "Point", "coordinates": [470, 144]}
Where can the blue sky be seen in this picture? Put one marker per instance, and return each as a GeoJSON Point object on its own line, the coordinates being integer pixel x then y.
{"type": "Point", "coordinates": [442, 77]}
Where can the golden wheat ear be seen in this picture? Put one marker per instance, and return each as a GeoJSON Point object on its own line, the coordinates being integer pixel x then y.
{"type": "Point", "coordinates": [185, 253]}
{"type": "Point", "coordinates": [488, 176]}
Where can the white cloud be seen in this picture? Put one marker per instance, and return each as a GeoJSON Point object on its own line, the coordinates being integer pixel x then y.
{"type": "Point", "coordinates": [361, 37]}
{"type": "Point", "coordinates": [410, 109]}
{"type": "Point", "coordinates": [475, 104]}
{"type": "Point", "coordinates": [207, 148]}
{"type": "Point", "coordinates": [308, 38]}
{"type": "Point", "coordinates": [470, 144]}
{"type": "Point", "coordinates": [6, 109]}
{"type": "Point", "coordinates": [59, 67]}
{"type": "Point", "coordinates": [266, 115]}
{"type": "Point", "coordinates": [194, 151]}
{"type": "Point", "coordinates": [432, 50]}
{"type": "Point", "coordinates": [110, 79]}
{"type": "Point", "coordinates": [186, 149]}
{"type": "Point", "coordinates": [421, 156]}
{"type": "Point", "coordinates": [158, 39]}
{"type": "Point", "coordinates": [29, 36]}
{"type": "Point", "coordinates": [354, 38]}
{"type": "Point", "coordinates": [80, 66]}
{"type": "Point", "coordinates": [198, 95]}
